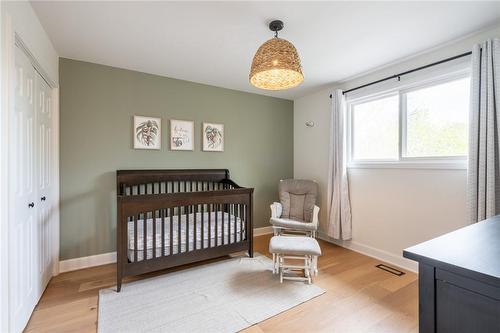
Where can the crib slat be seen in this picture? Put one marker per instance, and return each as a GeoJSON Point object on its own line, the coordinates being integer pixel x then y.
{"type": "Point", "coordinates": [243, 223]}
{"type": "Point", "coordinates": [209, 225]}
{"type": "Point", "coordinates": [223, 213]}
{"type": "Point", "coordinates": [216, 225]}
{"type": "Point", "coordinates": [135, 238]}
{"type": "Point", "coordinates": [233, 208]}
{"type": "Point", "coordinates": [162, 232]}
{"type": "Point", "coordinates": [154, 234]}
{"type": "Point", "coordinates": [179, 230]}
{"type": "Point", "coordinates": [145, 235]}
{"type": "Point", "coordinates": [195, 238]}
{"type": "Point", "coordinates": [202, 226]}
{"type": "Point", "coordinates": [186, 212]}
{"type": "Point", "coordinates": [171, 230]}
{"type": "Point", "coordinates": [240, 214]}
{"type": "Point", "coordinates": [236, 213]}
{"type": "Point", "coordinates": [230, 217]}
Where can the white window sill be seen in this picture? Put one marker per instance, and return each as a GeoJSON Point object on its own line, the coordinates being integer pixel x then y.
{"type": "Point", "coordinates": [445, 165]}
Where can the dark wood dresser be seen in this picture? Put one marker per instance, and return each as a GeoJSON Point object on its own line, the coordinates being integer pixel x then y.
{"type": "Point", "coordinates": [459, 280]}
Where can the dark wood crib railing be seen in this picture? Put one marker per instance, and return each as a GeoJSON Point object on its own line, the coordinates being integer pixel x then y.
{"type": "Point", "coordinates": [167, 218]}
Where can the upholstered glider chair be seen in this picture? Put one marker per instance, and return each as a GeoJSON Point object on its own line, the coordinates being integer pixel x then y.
{"type": "Point", "coordinates": [297, 211]}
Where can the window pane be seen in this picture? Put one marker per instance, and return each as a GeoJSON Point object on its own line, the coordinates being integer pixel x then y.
{"type": "Point", "coordinates": [437, 120]}
{"type": "Point", "coordinates": [375, 129]}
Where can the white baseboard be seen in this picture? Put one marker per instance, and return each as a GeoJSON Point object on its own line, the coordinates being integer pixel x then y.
{"type": "Point", "coordinates": [388, 257]}
{"type": "Point", "coordinates": [85, 262]}
{"type": "Point", "coordinates": [262, 231]}
{"type": "Point", "coordinates": [109, 258]}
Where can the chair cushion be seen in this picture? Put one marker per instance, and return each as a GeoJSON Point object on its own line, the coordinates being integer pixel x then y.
{"type": "Point", "coordinates": [292, 224]}
{"type": "Point", "coordinates": [298, 197]}
{"type": "Point", "coordinates": [293, 245]}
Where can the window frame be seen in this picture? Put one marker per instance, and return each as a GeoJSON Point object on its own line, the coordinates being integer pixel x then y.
{"type": "Point", "coordinates": [402, 161]}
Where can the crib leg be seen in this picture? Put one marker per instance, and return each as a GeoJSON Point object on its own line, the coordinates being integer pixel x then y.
{"type": "Point", "coordinates": [118, 281]}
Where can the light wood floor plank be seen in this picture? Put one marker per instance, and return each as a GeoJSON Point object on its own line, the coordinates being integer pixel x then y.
{"type": "Point", "coordinates": [359, 298]}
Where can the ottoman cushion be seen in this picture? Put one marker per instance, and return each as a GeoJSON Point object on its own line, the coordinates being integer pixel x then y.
{"type": "Point", "coordinates": [294, 245]}
{"type": "Point", "coordinates": [288, 223]}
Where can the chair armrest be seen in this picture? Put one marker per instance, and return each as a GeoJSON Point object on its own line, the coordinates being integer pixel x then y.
{"type": "Point", "coordinates": [315, 219]}
{"type": "Point", "coordinates": [276, 209]}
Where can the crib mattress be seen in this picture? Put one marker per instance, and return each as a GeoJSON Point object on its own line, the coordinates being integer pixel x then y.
{"type": "Point", "coordinates": [187, 222]}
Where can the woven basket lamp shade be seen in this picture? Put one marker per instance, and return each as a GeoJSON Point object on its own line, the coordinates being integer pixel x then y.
{"type": "Point", "coordinates": [276, 65]}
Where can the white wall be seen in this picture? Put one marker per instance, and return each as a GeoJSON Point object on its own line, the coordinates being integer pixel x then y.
{"type": "Point", "coordinates": [20, 18]}
{"type": "Point", "coordinates": [391, 208]}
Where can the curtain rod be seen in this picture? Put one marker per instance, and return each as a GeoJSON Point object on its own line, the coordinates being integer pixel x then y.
{"type": "Point", "coordinates": [398, 76]}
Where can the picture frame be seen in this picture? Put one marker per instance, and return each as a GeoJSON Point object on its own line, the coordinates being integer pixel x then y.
{"type": "Point", "coordinates": [147, 132]}
{"type": "Point", "coordinates": [213, 137]}
{"type": "Point", "coordinates": [181, 134]}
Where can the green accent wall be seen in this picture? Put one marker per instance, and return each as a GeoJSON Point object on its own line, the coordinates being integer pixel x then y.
{"type": "Point", "coordinates": [97, 105]}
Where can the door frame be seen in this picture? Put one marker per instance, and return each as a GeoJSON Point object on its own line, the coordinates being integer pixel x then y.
{"type": "Point", "coordinates": [10, 39]}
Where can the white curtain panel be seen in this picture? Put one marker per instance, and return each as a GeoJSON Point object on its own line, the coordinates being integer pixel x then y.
{"type": "Point", "coordinates": [339, 207]}
{"type": "Point", "coordinates": [483, 195]}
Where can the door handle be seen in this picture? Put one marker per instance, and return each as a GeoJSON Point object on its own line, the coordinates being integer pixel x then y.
{"type": "Point", "coordinates": [31, 205]}
{"type": "Point", "coordinates": [43, 198]}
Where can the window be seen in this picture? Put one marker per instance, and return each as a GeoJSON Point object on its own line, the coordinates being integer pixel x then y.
{"type": "Point", "coordinates": [423, 123]}
{"type": "Point", "coordinates": [376, 133]}
{"type": "Point", "coordinates": [436, 120]}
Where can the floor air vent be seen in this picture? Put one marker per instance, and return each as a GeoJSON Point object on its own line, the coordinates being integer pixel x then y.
{"type": "Point", "coordinates": [390, 269]}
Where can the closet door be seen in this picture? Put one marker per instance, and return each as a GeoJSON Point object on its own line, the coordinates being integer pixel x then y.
{"type": "Point", "coordinates": [23, 203]}
{"type": "Point", "coordinates": [44, 180]}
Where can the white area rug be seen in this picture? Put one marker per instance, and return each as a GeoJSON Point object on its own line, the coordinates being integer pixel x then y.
{"type": "Point", "coordinates": [225, 296]}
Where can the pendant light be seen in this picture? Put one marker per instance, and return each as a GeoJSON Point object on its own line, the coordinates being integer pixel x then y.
{"type": "Point", "coordinates": [276, 65]}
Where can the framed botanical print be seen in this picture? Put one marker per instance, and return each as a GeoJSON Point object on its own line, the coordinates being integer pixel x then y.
{"type": "Point", "coordinates": [147, 132]}
{"type": "Point", "coordinates": [181, 134]}
{"type": "Point", "coordinates": [213, 137]}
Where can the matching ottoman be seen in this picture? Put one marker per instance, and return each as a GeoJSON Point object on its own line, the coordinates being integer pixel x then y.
{"type": "Point", "coordinates": [285, 248]}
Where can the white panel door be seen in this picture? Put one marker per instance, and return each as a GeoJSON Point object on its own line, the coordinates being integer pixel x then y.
{"type": "Point", "coordinates": [46, 204]}
{"type": "Point", "coordinates": [23, 240]}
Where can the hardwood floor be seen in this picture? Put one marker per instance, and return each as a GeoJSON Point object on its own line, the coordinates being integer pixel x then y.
{"type": "Point", "coordinates": [359, 298]}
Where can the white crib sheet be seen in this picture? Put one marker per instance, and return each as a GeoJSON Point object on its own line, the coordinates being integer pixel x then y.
{"type": "Point", "coordinates": [212, 235]}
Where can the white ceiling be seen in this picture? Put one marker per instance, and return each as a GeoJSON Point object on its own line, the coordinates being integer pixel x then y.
{"type": "Point", "coordinates": [214, 42]}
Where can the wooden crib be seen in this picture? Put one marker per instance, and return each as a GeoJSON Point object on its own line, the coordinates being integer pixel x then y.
{"type": "Point", "coordinates": [167, 218]}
